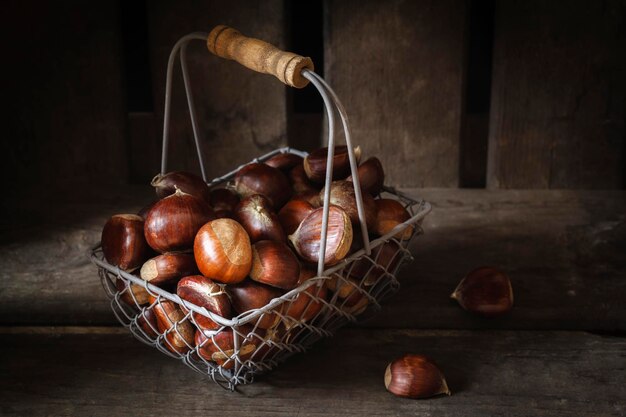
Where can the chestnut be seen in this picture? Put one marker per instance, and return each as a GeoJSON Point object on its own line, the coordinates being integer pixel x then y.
{"type": "Point", "coordinates": [267, 342]}
{"type": "Point", "coordinates": [223, 252]}
{"type": "Point", "coordinates": [167, 184]}
{"type": "Point", "coordinates": [371, 176]}
{"type": "Point", "coordinates": [485, 291]}
{"type": "Point", "coordinates": [203, 292]}
{"type": "Point", "coordinates": [168, 267]}
{"type": "Point", "coordinates": [389, 214]}
{"type": "Point", "coordinates": [284, 161]}
{"type": "Point", "coordinates": [132, 294]}
{"type": "Point", "coordinates": [258, 178]}
{"type": "Point", "coordinates": [300, 182]}
{"type": "Point", "coordinates": [306, 305]}
{"type": "Point", "coordinates": [220, 347]}
{"type": "Point", "coordinates": [223, 199]}
{"type": "Point", "coordinates": [171, 319]}
{"type": "Point", "coordinates": [274, 264]}
{"type": "Point", "coordinates": [257, 217]}
{"type": "Point", "coordinates": [347, 290]}
{"type": "Point", "coordinates": [386, 259]}
{"type": "Point", "coordinates": [148, 322]}
{"type": "Point", "coordinates": [172, 223]}
{"type": "Point", "coordinates": [415, 376]}
{"type": "Point", "coordinates": [250, 295]}
{"type": "Point", "coordinates": [315, 163]}
{"type": "Point", "coordinates": [342, 195]}
{"type": "Point", "coordinates": [306, 239]}
{"type": "Point", "coordinates": [123, 241]}
{"type": "Point", "coordinates": [292, 214]}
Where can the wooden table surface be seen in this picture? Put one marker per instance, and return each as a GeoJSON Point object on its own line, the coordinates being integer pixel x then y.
{"type": "Point", "coordinates": [561, 351]}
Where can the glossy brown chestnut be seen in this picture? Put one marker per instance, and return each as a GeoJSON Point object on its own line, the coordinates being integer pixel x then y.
{"type": "Point", "coordinates": [284, 161]}
{"type": "Point", "coordinates": [168, 267]}
{"type": "Point", "coordinates": [203, 292]}
{"type": "Point", "coordinates": [223, 252]}
{"type": "Point", "coordinates": [315, 163]}
{"type": "Point", "coordinates": [347, 290]}
{"type": "Point", "coordinates": [220, 347]}
{"type": "Point", "coordinates": [172, 223]}
{"type": "Point", "coordinates": [267, 342]}
{"type": "Point", "coordinates": [485, 291]}
{"type": "Point", "coordinates": [389, 214]}
{"type": "Point", "coordinates": [306, 305]}
{"type": "Point", "coordinates": [415, 376]}
{"type": "Point", "coordinates": [250, 295]}
{"type": "Point", "coordinates": [371, 176]}
{"type": "Point", "coordinates": [386, 257]}
{"type": "Point", "coordinates": [300, 182]}
{"type": "Point", "coordinates": [256, 215]}
{"type": "Point", "coordinates": [273, 263]}
{"type": "Point", "coordinates": [139, 294]}
{"type": "Point", "coordinates": [306, 239]}
{"type": "Point", "coordinates": [123, 241]}
{"type": "Point", "coordinates": [171, 319]}
{"type": "Point", "coordinates": [223, 199]}
{"type": "Point", "coordinates": [167, 184]}
{"type": "Point", "coordinates": [258, 178]}
{"type": "Point", "coordinates": [292, 214]}
{"type": "Point", "coordinates": [342, 195]}
{"type": "Point", "coordinates": [148, 322]}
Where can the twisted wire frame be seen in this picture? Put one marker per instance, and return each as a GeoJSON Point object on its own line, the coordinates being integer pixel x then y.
{"type": "Point", "coordinates": [236, 349]}
{"type": "Point", "coordinates": [232, 351]}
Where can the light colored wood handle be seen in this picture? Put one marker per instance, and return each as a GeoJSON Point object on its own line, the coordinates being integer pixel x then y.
{"type": "Point", "coordinates": [259, 55]}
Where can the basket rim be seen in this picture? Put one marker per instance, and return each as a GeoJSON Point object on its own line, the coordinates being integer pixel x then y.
{"type": "Point", "coordinates": [423, 209]}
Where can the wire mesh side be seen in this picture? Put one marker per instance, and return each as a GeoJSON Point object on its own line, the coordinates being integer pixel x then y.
{"type": "Point", "coordinates": [257, 341]}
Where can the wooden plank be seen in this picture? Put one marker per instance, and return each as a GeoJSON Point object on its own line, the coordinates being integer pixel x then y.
{"type": "Point", "coordinates": [562, 249]}
{"type": "Point", "coordinates": [557, 118]}
{"type": "Point", "coordinates": [489, 373]}
{"type": "Point", "coordinates": [242, 114]}
{"type": "Point", "coordinates": [64, 114]}
{"type": "Point", "coordinates": [398, 68]}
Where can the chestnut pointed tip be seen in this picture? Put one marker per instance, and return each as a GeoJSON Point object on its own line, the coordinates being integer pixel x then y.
{"type": "Point", "coordinates": [444, 388]}
{"type": "Point", "coordinates": [357, 153]}
{"type": "Point", "coordinates": [388, 375]}
{"type": "Point", "coordinates": [156, 180]}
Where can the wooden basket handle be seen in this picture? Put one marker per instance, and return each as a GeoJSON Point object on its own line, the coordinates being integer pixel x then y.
{"type": "Point", "coordinates": [259, 55]}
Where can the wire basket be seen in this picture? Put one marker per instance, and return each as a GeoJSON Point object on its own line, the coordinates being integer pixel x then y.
{"type": "Point", "coordinates": [257, 340]}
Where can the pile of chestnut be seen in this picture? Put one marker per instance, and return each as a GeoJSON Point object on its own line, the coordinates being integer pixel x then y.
{"type": "Point", "coordinates": [234, 249]}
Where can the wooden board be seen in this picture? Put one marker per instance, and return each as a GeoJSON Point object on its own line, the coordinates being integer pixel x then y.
{"type": "Point", "coordinates": [398, 68]}
{"type": "Point", "coordinates": [489, 373]}
{"type": "Point", "coordinates": [562, 249]}
{"type": "Point", "coordinates": [242, 114]}
{"type": "Point", "coordinates": [557, 110]}
{"type": "Point", "coordinates": [64, 117]}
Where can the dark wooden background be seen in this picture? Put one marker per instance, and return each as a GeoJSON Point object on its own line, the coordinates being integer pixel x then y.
{"type": "Point", "coordinates": [511, 94]}
{"type": "Point", "coordinates": [508, 116]}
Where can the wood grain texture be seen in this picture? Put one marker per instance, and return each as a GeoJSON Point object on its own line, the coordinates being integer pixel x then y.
{"type": "Point", "coordinates": [242, 114]}
{"type": "Point", "coordinates": [562, 249]}
{"type": "Point", "coordinates": [489, 373]}
{"type": "Point", "coordinates": [64, 118]}
{"type": "Point", "coordinates": [398, 66]}
{"type": "Point", "coordinates": [558, 94]}
{"type": "Point", "coordinates": [258, 55]}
